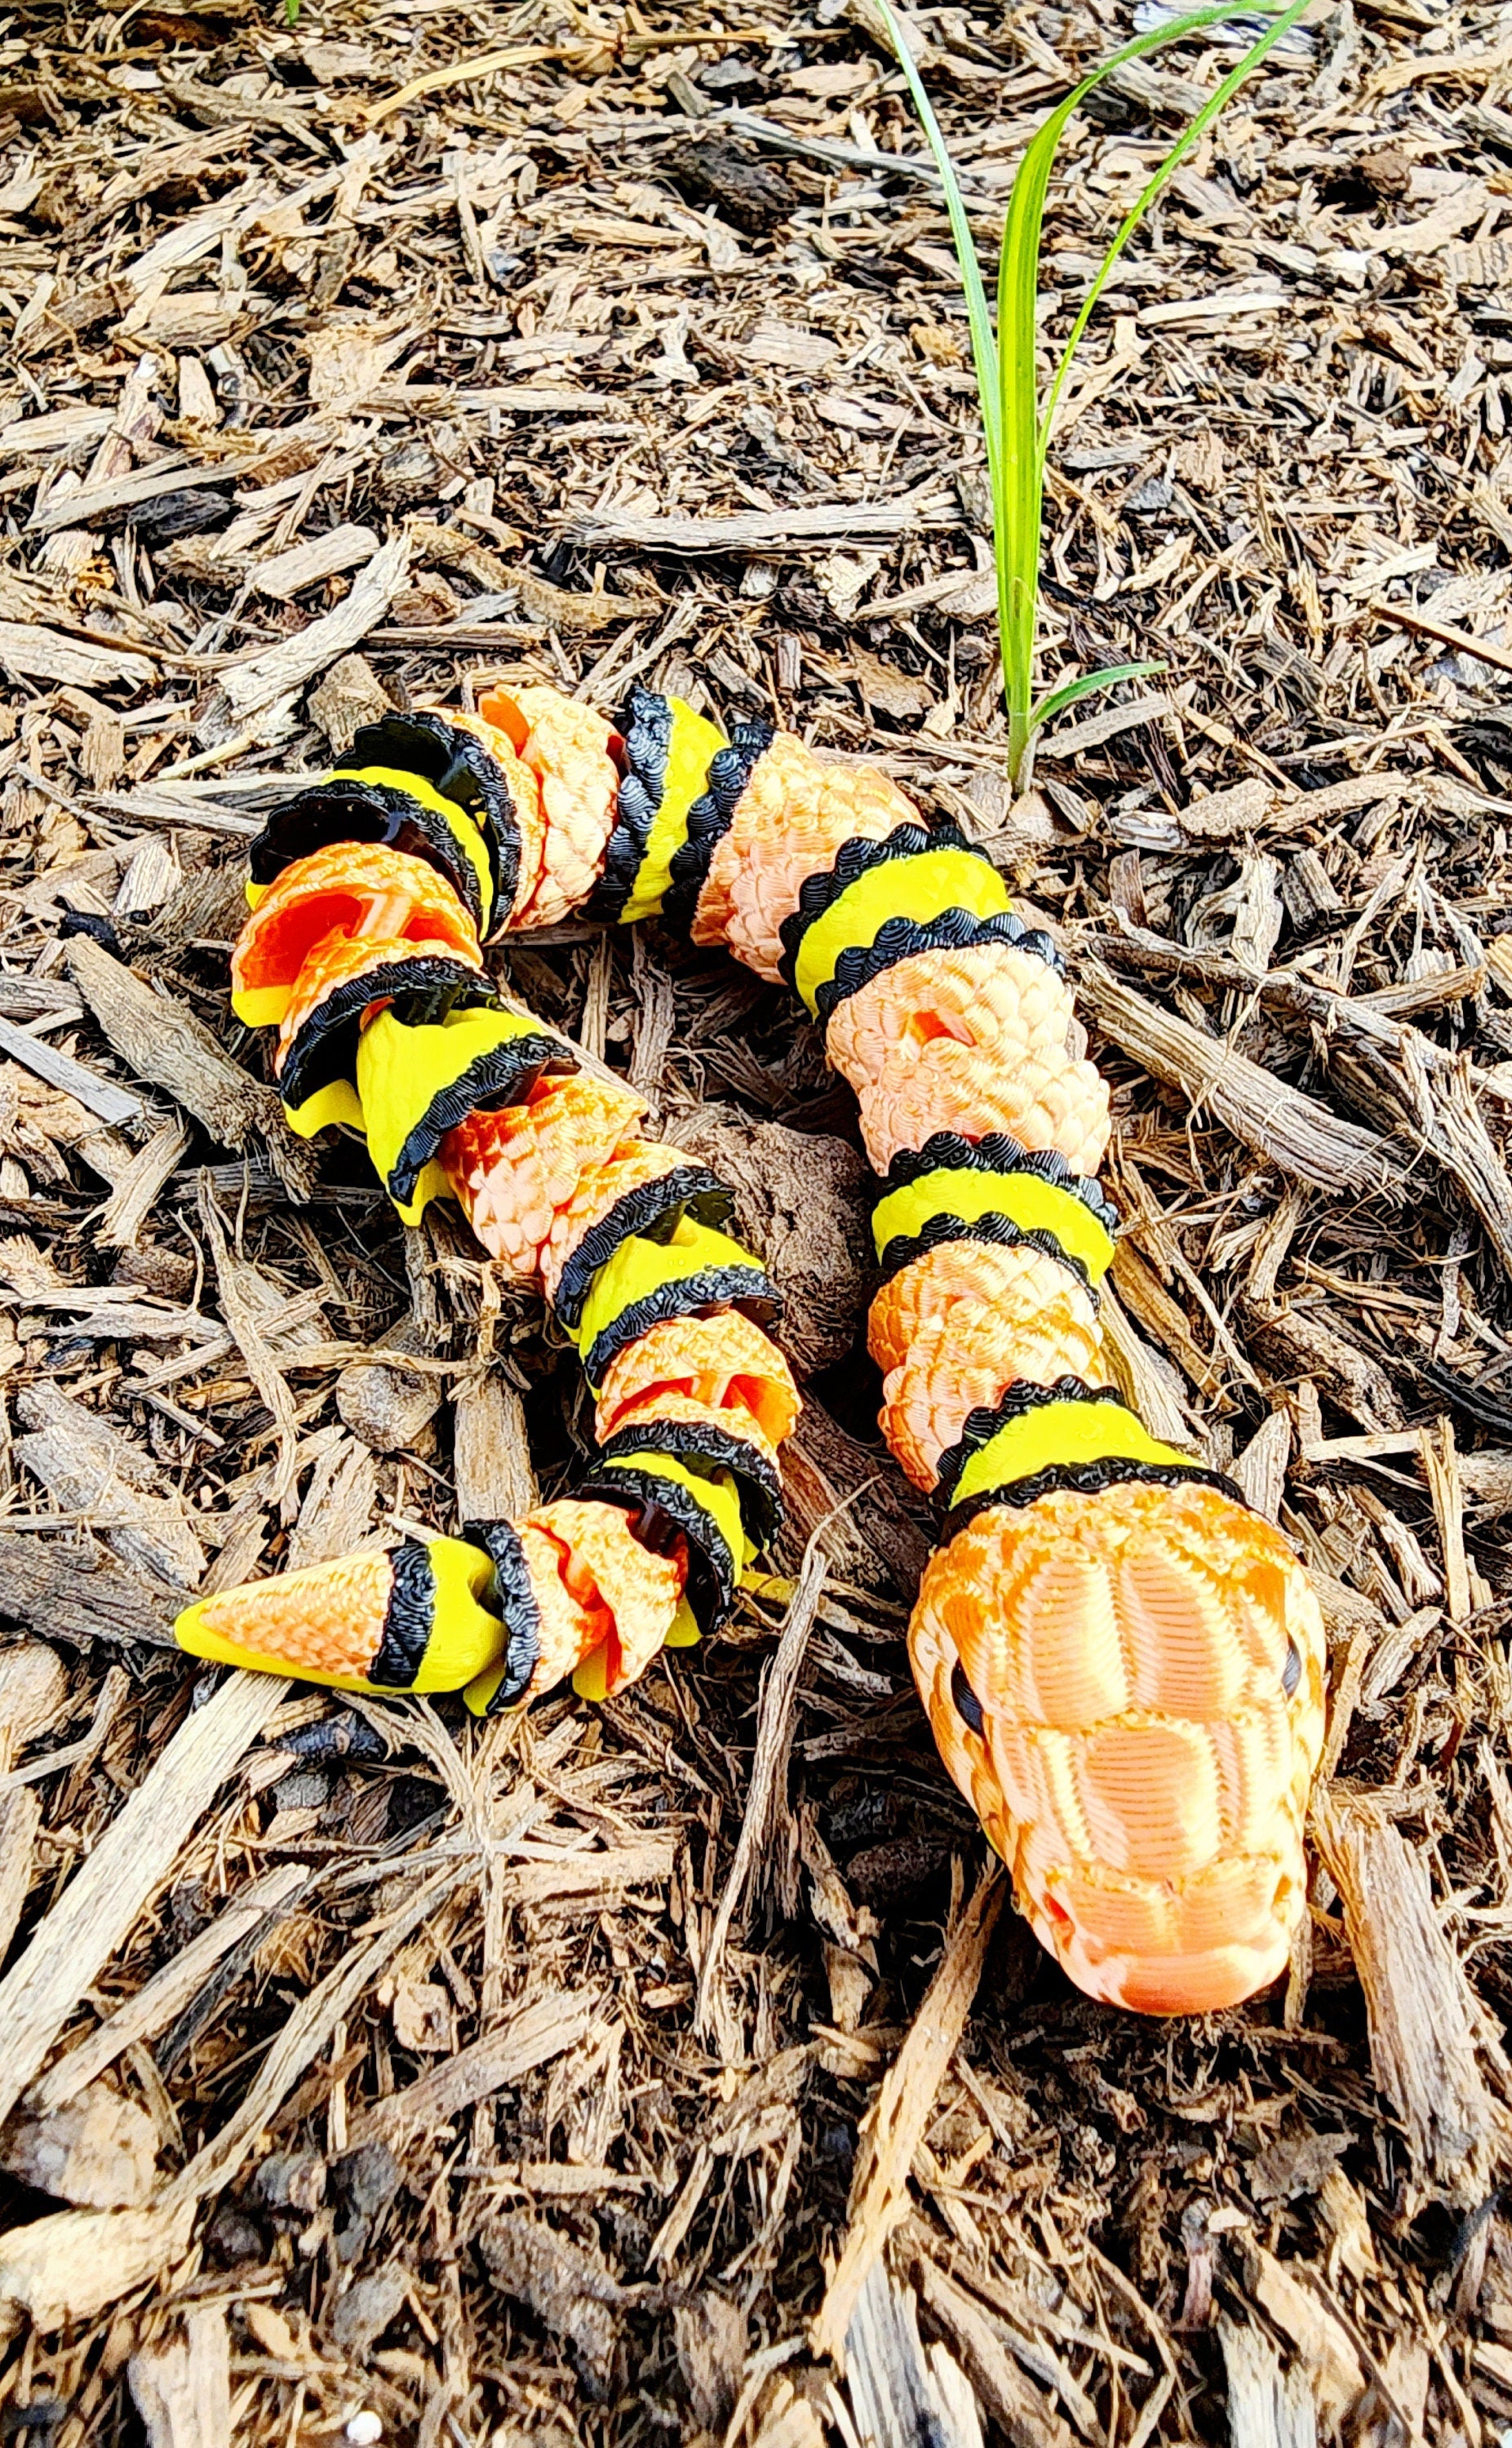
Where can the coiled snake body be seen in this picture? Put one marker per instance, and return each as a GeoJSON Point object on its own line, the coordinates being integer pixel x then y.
{"type": "Point", "coordinates": [1123, 1664]}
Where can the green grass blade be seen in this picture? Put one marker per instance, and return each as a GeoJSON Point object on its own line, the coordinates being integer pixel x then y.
{"type": "Point", "coordinates": [1221, 95]}
{"type": "Point", "coordinates": [1018, 500]}
{"type": "Point", "coordinates": [1060, 699]}
{"type": "Point", "coordinates": [983, 347]}
{"type": "Point", "coordinates": [1015, 429]}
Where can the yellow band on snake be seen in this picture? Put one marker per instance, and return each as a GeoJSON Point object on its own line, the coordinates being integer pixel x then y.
{"type": "Point", "coordinates": [919, 888]}
{"type": "Point", "coordinates": [639, 1269]}
{"type": "Point", "coordinates": [695, 743]}
{"type": "Point", "coordinates": [404, 1073]}
{"type": "Point", "coordinates": [462, 827]}
{"type": "Point", "coordinates": [1032, 1204]}
{"type": "Point", "coordinates": [1054, 1435]}
{"type": "Point", "coordinates": [714, 1492]}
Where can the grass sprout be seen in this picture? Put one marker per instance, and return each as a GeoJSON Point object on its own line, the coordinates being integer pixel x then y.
{"type": "Point", "coordinates": [1016, 423]}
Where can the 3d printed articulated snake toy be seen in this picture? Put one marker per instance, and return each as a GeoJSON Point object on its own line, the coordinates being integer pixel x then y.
{"type": "Point", "coordinates": [1123, 1664]}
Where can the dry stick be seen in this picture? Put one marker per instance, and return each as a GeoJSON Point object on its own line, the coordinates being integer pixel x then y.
{"type": "Point", "coordinates": [247, 1334]}
{"type": "Point", "coordinates": [901, 2396]}
{"type": "Point", "coordinates": [112, 1691]}
{"type": "Point", "coordinates": [773, 1741]}
{"type": "Point", "coordinates": [161, 1041]}
{"type": "Point", "coordinates": [69, 2268]}
{"type": "Point", "coordinates": [168, 1992]}
{"type": "Point", "coordinates": [305, 2034]}
{"type": "Point", "coordinates": [1298, 1135]}
{"type": "Point", "coordinates": [100, 1905]}
{"type": "Point", "coordinates": [879, 2197]}
{"type": "Point", "coordinates": [541, 2029]}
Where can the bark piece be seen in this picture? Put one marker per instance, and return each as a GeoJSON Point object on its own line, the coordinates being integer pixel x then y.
{"type": "Point", "coordinates": [90, 1470]}
{"type": "Point", "coordinates": [71, 1591]}
{"type": "Point", "coordinates": [66, 2269]}
{"type": "Point", "coordinates": [570, 2291]}
{"type": "Point", "coordinates": [174, 1987]}
{"type": "Point", "coordinates": [384, 1406]}
{"type": "Point", "coordinates": [491, 1451]}
{"type": "Point", "coordinates": [1292, 1132]}
{"type": "Point", "coordinates": [112, 1104]}
{"type": "Point", "coordinates": [161, 1041]}
{"type": "Point", "coordinates": [265, 679]}
{"type": "Point", "coordinates": [337, 1516]}
{"type": "Point", "coordinates": [1424, 2016]}
{"type": "Point", "coordinates": [1299, 1343]}
{"type": "Point", "coordinates": [780, 531]}
{"type": "Point", "coordinates": [831, 1478]}
{"type": "Point", "coordinates": [35, 654]}
{"type": "Point", "coordinates": [348, 696]}
{"type": "Point", "coordinates": [33, 1688]}
{"type": "Point", "coordinates": [1268, 2407]}
{"type": "Point", "coordinates": [1008, 2396]}
{"type": "Point", "coordinates": [99, 2152]}
{"type": "Point", "coordinates": [710, 2336]}
{"type": "Point", "coordinates": [287, 574]}
{"type": "Point", "coordinates": [181, 2388]}
{"type": "Point", "coordinates": [901, 2396]}
{"type": "Point", "coordinates": [803, 1200]}
{"type": "Point", "coordinates": [1324, 2350]}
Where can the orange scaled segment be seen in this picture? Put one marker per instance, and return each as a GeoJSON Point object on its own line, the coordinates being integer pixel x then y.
{"type": "Point", "coordinates": [966, 1359]}
{"type": "Point", "coordinates": [327, 1619]}
{"type": "Point", "coordinates": [1143, 1768]}
{"type": "Point", "coordinates": [596, 1584]}
{"type": "Point", "coordinates": [568, 747]}
{"type": "Point", "coordinates": [720, 1361]}
{"type": "Point", "coordinates": [664, 1404]}
{"type": "Point", "coordinates": [339, 961]}
{"type": "Point", "coordinates": [792, 816]}
{"type": "Point", "coordinates": [961, 1276]}
{"type": "Point", "coordinates": [601, 1187]}
{"type": "Point", "coordinates": [351, 891]}
{"type": "Point", "coordinates": [525, 795]}
{"type": "Point", "coordinates": [971, 1042]}
{"type": "Point", "coordinates": [516, 1170]}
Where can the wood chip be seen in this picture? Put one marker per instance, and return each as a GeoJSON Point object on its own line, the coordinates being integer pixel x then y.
{"type": "Point", "coordinates": [1423, 2018]}
{"type": "Point", "coordinates": [100, 1904]}
{"type": "Point", "coordinates": [897, 2121]}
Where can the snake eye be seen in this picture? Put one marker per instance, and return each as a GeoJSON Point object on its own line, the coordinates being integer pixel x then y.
{"type": "Point", "coordinates": [968, 1705]}
{"type": "Point", "coordinates": [1291, 1671]}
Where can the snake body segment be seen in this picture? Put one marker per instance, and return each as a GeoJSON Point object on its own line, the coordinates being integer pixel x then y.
{"type": "Point", "coordinates": [1122, 1663]}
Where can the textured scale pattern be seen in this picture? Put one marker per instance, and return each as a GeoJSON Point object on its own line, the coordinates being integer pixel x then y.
{"type": "Point", "coordinates": [959, 1277]}
{"type": "Point", "coordinates": [631, 1166]}
{"type": "Point", "coordinates": [1147, 1781]}
{"type": "Point", "coordinates": [517, 1170]}
{"type": "Point", "coordinates": [567, 747]}
{"type": "Point", "coordinates": [966, 1359]}
{"type": "Point", "coordinates": [973, 1041]}
{"type": "Point", "coordinates": [327, 1619]}
{"type": "Point", "coordinates": [723, 1363]}
{"type": "Point", "coordinates": [1123, 1665]}
{"type": "Point", "coordinates": [793, 818]}
{"type": "Point", "coordinates": [597, 1589]}
{"type": "Point", "coordinates": [339, 962]}
{"type": "Point", "coordinates": [348, 894]}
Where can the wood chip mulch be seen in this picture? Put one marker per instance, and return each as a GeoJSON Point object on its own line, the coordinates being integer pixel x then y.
{"type": "Point", "coordinates": [675, 2068]}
